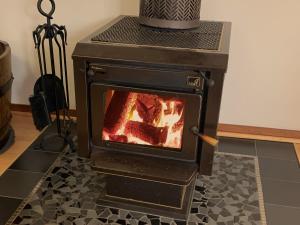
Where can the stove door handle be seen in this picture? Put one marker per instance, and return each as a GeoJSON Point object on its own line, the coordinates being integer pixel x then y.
{"type": "Point", "coordinates": [207, 139]}
{"type": "Point", "coordinates": [97, 69]}
{"type": "Point", "coordinates": [209, 82]}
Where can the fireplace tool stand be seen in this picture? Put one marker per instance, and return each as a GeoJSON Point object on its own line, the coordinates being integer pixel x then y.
{"type": "Point", "coordinates": [53, 89]}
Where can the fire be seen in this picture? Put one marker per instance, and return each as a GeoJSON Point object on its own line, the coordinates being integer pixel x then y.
{"type": "Point", "coordinates": [144, 119]}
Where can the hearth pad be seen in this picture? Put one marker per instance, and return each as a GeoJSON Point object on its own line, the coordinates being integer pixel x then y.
{"type": "Point", "coordinates": [68, 195]}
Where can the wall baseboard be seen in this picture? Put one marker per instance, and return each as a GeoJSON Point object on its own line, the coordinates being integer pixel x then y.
{"type": "Point", "coordinates": [226, 130]}
{"type": "Point", "coordinates": [20, 108]}
{"type": "Point", "coordinates": [263, 131]}
{"type": "Point", "coordinates": [27, 108]}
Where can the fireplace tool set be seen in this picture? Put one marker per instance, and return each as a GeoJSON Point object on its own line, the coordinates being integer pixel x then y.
{"type": "Point", "coordinates": [51, 91]}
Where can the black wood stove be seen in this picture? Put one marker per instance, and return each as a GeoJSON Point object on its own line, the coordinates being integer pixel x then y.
{"type": "Point", "coordinates": [146, 100]}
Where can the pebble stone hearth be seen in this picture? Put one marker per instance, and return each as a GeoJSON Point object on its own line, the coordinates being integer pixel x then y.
{"type": "Point", "coordinates": [67, 195]}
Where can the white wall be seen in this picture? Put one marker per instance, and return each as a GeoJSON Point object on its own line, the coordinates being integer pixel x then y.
{"type": "Point", "coordinates": [262, 83]}
{"type": "Point", "coordinates": [263, 79]}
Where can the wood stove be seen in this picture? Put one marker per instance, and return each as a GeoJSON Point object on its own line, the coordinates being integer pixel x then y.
{"type": "Point", "coordinates": [144, 95]}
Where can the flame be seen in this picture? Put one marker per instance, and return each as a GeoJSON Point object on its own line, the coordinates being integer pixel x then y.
{"type": "Point", "coordinates": [170, 120]}
{"type": "Point", "coordinates": [169, 117]}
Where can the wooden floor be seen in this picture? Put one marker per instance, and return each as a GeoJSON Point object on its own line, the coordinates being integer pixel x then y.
{"type": "Point", "coordinates": [26, 134]}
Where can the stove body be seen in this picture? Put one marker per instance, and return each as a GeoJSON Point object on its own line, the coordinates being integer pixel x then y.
{"type": "Point", "coordinates": [139, 92]}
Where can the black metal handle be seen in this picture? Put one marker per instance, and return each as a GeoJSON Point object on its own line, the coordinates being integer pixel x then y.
{"type": "Point", "coordinates": [50, 13]}
{"type": "Point", "coordinates": [94, 68]}
{"type": "Point", "coordinates": [207, 139]}
{"type": "Point", "coordinates": [209, 82]}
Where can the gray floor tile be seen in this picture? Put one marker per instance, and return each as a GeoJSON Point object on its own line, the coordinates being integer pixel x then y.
{"type": "Point", "coordinates": [35, 161]}
{"type": "Point", "coordinates": [279, 215]}
{"type": "Point", "coordinates": [18, 184]}
{"type": "Point", "coordinates": [279, 169]}
{"type": "Point", "coordinates": [281, 192]}
{"type": "Point", "coordinates": [7, 207]}
{"type": "Point", "coordinates": [276, 150]}
{"type": "Point", "coordinates": [238, 146]}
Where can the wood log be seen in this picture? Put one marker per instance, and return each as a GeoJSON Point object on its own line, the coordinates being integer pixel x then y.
{"type": "Point", "coordinates": [118, 138]}
{"type": "Point", "coordinates": [149, 107]}
{"type": "Point", "coordinates": [108, 97]}
{"type": "Point", "coordinates": [179, 107]}
{"type": "Point", "coordinates": [146, 132]}
{"type": "Point", "coordinates": [168, 111]}
{"type": "Point", "coordinates": [179, 124]}
{"type": "Point", "coordinates": [118, 111]}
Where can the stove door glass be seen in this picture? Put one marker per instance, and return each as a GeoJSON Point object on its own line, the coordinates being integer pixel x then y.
{"type": "Point", "coordinates": [143, 119]}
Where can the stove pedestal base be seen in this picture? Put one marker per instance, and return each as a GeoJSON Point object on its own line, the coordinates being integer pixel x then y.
{"type": "Point", "coordinates": [148, 196]}
{"type": "Point", "coordinates": [146, 184]}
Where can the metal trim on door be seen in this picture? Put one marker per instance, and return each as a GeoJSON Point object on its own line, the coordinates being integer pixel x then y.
{"type": "Point", "coordinates": [192, 118]}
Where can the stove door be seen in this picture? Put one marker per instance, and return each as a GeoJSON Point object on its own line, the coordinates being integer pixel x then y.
{"type": "Point", "coordinates": [144, 121]}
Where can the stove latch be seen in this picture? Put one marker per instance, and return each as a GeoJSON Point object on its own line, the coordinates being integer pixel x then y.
{"type": "Point", "coordinates": [94, 68]}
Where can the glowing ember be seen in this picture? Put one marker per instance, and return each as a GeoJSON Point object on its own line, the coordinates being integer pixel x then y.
{"type": "Point", "coordinates": [143, 119]}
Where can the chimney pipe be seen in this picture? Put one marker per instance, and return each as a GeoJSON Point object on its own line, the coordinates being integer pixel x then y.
{"type": "Point", "coordinates": [172, 14]}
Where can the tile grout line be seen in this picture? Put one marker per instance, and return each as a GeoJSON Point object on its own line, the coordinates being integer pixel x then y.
{"type": "Point", "coordinates": [260, 193]}
{"type": "Point", "coordinates": [236, 154]}
{"type": "Point", "coordinates": [34, 150]}
{"type": "Point", "coordinates": [26, 171]}
{"type": "Point", "coordinates": [255, 147]}
{"type": "Point", "coordinates": [274, 158]}
{"type": "Point", "coordinates": [285, 206]}
{"type": "Point", "coordinates": [283, 181]}
{"type": "Point", "coordinates": [4, 196]}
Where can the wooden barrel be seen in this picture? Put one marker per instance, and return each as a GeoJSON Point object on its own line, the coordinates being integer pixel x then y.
{"type": "Point", "coordinates": [5, 94]}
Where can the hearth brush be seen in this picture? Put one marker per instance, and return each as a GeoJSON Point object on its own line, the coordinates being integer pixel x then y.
{"type": "Point", "coordinates": [51, 93]}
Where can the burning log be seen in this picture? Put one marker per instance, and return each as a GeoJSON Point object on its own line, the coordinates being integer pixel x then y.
{"type": "Point", "coordinates": [179, 106]}
{"type": "Point", "coordinates": [179, 124]}
{"type": "Point", "coordinates": [148, 107]}
{"type": "Point", "coordinates": [173, 107]}
{"type": "Point", "coordinates": [118, 138]}
{"type": "Point", "coordinates": [168, 111]}
{"type": "Point", "coordinates": [118, 111]}
{"type": "Point", "coordinates": [146, 132]}
{"type": "Point", "coordinates": [108, 97]}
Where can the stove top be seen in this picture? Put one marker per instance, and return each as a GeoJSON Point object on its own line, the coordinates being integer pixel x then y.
{"type": "Point", "coordinates": [128, 31]}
